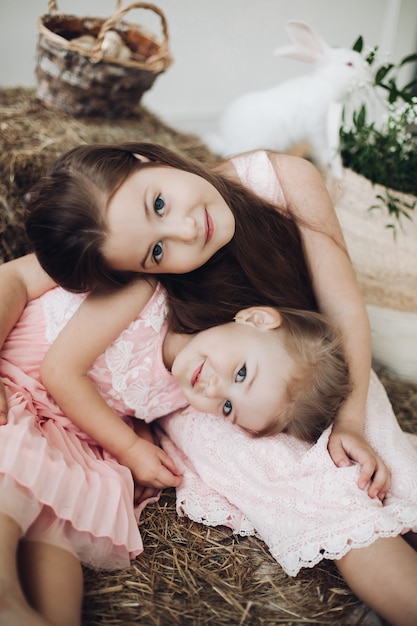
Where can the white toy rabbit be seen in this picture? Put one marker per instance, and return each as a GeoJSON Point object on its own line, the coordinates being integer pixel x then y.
{"type": "Point", "coordinates": [304, 109]}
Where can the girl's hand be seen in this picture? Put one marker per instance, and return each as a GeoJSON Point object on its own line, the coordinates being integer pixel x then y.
{"type": "Point", "coordinates": [346, 446]}
{"type": "Point", "coordinates": [150, 465]}
{"type": "Point", "coordinates": [3, 405]}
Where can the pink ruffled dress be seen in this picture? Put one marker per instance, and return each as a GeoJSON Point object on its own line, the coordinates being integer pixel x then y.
{"type": "Point", "coordinates": [286, 492]}
{"type": "Point", "coordinates": [59, 485]}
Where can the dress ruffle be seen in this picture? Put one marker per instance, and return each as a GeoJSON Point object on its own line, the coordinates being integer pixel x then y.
{"type": "Point", "coordinates": [85, 495]}
{"type": "Point", "coordinates": [288, 493]}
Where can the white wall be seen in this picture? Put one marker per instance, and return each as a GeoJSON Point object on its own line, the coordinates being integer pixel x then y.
{"type": "Point", "coordinates": [221, 47]}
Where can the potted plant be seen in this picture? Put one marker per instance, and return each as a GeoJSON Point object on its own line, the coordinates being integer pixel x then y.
{"type": "Point", "coordinates": [377, 208]}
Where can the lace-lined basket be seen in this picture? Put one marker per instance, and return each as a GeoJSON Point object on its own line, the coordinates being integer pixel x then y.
{"type": "Point", "coordinates": [386, 268]}
{"type": "Point", "coordinates": [86, 81]}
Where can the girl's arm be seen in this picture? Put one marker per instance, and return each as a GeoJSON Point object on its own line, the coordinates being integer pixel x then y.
{"type": "Point", "coordinates": [97, 323]}
{"type": "Point", "coordinates": [338, 296]}
{"type": "Point", "coordinates": [21, 280]}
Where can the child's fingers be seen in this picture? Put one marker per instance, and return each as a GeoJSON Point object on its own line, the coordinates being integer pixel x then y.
{"type": "Point", "coordinates": [158, 475]}
{"type": "Point", "coordinates": [162, 480]}
{"type": "Point", "coordinates": [169, 463]}
{"type": "Point", "coordinates": [338, 453]}
{"type": "Point", "coordinates": [377, 473]}
{"type": "Point", "coordinates": [367, 470]}
{"type": "Point", "coordinates": [381, 482]}
{"type": "Point", "coordinates": [168, 479]}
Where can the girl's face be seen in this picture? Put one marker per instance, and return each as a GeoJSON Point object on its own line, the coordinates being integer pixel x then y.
{"type": "Point", "coordinates": [164, 220]}
{"type": "Point", "coordinates": [238, 370]}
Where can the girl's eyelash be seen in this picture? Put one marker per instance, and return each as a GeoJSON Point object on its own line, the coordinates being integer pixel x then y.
{"type": "Point", "coordinates": [157, 252]}
{"type": "Point", "coordinates": [241, 372]}
{"type": "Point", "coordinates": [159, 205]}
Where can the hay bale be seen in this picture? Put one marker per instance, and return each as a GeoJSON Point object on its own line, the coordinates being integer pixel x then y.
{"type": "Point", "coordinates": [32, 136]}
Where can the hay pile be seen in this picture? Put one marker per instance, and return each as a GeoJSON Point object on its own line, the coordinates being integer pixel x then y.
{"type": "Point", "coordinates": [189, 574]}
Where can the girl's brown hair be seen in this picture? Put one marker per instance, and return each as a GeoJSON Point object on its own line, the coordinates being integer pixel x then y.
{"type": "Point", "coordinates": [263, 264]}
{"type": "Point", "coordinates": [321, 382]}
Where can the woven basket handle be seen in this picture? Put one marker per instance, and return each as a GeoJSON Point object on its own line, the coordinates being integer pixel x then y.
{"type": "Point", "coordinates": [53, 6]}
{"type": "Point", "coordinates": [117, 15]}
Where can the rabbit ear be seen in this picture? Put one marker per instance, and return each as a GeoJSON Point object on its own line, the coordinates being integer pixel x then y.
{"type": "Point", "coordinates": [308, 45]}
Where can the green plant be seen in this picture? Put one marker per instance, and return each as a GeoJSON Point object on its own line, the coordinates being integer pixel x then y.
{"type": "Point", "coordinates": [385, 151]}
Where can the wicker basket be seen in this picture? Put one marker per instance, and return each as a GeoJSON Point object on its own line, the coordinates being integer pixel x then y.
{"type": "Point", "coordinates": [84, 81]}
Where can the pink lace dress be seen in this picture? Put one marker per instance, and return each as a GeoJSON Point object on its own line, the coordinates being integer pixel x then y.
{"type": "Point", "coordinates": [60, 486]}
{"type": "Point", "coordinates": [286, 492]}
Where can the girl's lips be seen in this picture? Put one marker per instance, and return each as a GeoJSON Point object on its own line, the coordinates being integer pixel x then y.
{"type": "Point", "coordinates": [196, 375]}
{"type": "Point", "coordinates": [209, 227]}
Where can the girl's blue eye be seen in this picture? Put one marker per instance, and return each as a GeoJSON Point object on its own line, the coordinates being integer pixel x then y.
{"type": "Point", "coordinates": [159, 205]}
{"type": "Point", "coordinates": [241, 375]}
{"type": "Point", "coordinates": [227, 408]}
{"type": "Point", "coordinates": [157, 252]}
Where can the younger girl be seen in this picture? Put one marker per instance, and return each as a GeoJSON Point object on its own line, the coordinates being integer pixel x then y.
{"type": "Point", "coordinates": [67, 495]}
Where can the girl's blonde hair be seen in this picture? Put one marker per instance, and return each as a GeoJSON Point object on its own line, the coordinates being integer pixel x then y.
{"type": "Point", "coordinates": [321, 382]}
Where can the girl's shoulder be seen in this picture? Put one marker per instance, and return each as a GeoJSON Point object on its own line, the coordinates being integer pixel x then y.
{"type": "Point", "coordinates": [232, 166]}
{"type": "Point", "coordinates": [303, 186]}
{"type": "Point", "coordinates": [257, 171]}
